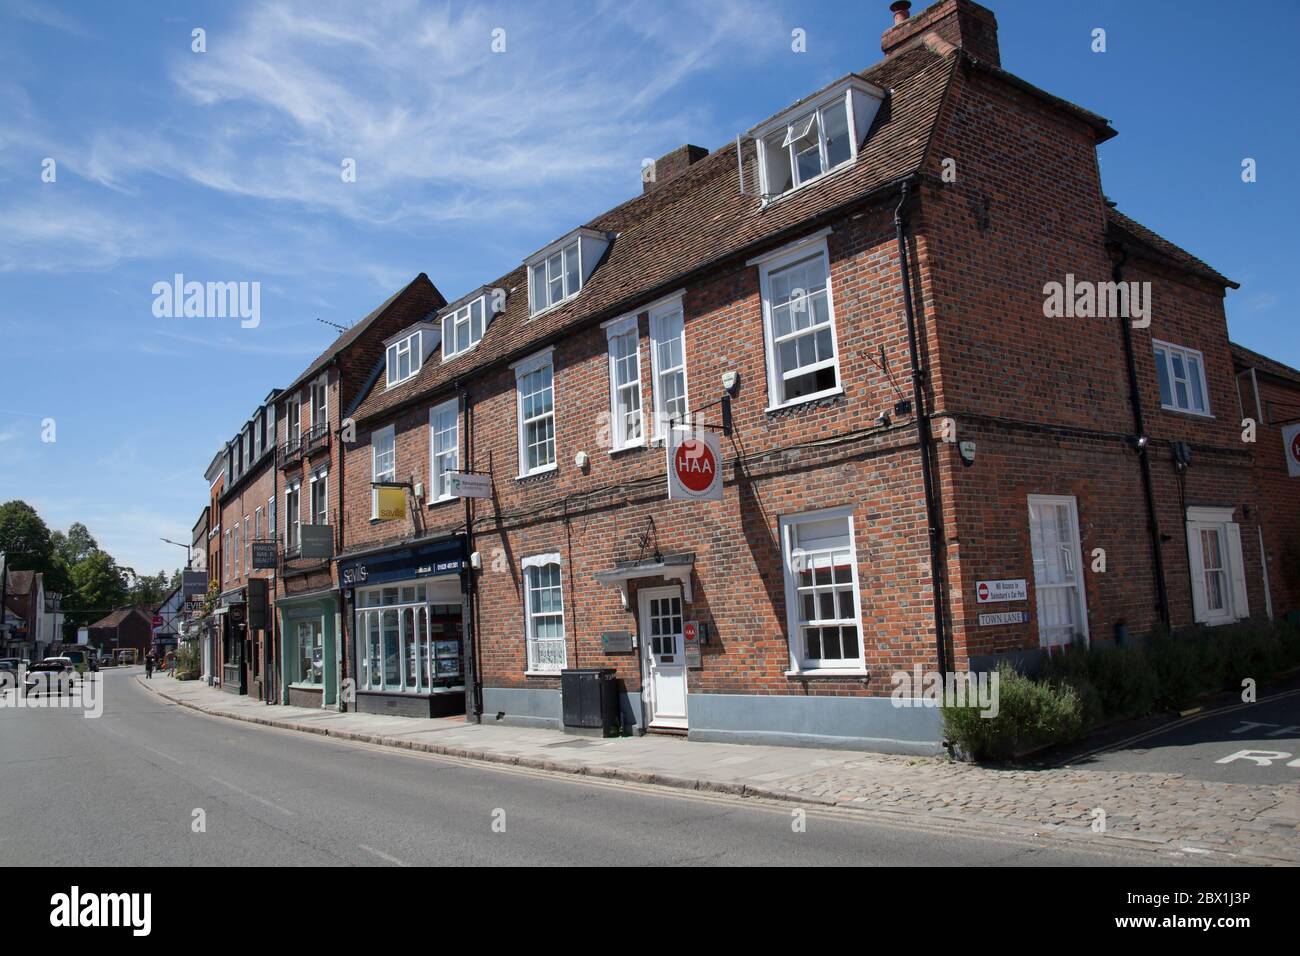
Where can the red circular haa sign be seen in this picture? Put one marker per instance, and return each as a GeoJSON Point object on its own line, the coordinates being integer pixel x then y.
{"type": "Point", "coordinates": [157, 620]}
{"type": "Point", "coordinates": [695, 465]}
{"type": "Point", "coordinates": [984, 591]}
{"type": "Point", "coordinates": [1295, 447]}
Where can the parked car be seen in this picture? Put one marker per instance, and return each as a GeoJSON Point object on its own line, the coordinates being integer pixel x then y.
{"type": "Point", "coordinates": [107, 660]}
{"type": "Point", "coordinates": [50, 677]}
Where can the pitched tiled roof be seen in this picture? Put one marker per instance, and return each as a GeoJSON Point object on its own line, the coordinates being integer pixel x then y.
{"type": "Point", "coordinates": [118, 616]}
{"type": "Point", "coordinates": [1121, 227]}
{"type": "Point", "coordinates": [357, 330]}
{"type": "Point", "coordinates": [697, 218]}
{"type": "Point", "coordinates": [1246, 358]}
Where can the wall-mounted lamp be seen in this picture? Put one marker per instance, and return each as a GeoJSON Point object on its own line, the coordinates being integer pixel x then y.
{"type": "Point", "coordinates": [1139, 442]}
{"type": "Point", "coordinates": [731, 382]}
{"type": "Point", "coordinates": [967, 451]}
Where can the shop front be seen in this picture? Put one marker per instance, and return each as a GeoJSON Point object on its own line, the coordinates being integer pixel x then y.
{"type": "Point", "coordinates": [407, 627]}
{"type": "Point", "coordinates": [310, 649]}
{"type": "Point", "coordinates": [233, 634]}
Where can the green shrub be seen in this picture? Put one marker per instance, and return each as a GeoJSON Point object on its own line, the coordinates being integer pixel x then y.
{"type": "Point", "coordinates": [1030, 714]}
{"type": "Point", "coordinates": [188, 664]}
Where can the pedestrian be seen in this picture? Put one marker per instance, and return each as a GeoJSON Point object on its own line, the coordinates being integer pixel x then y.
{"type": "Point", "coordinates": [148, 667]}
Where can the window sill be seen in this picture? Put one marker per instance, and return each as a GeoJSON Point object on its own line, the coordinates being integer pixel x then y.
{"type": "Point", "coordinates": [553, 306]}
{"type": "Point", "coordinates": [537, 472]}
{"type": "Point", "coordinates": [805, 400]}
{"type": "Point", "coordinates": [302, 685]}
{"type": "Point", "coordinates": [442, 501]}
{"type": "Point", "coordinates": [829, 672]}
{"type": "Point", "coordinates": [770, 201]}
{"type": "Point", "coordinates": [1187, 412]}
{"type": "Point", "coordinates": [635, 446]}
{"type": "Point", "coordinates": [541, 673]}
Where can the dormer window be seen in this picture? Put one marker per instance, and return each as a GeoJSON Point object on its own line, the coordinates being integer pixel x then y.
{"type": "Point", "coordinates": [463, 328]}
{"type": "Point", "coordinates": [405, 352]}
{"type": "Point", "coordinates": [817, 136]}
{"type": "Point", "coordinates": [558, 272]}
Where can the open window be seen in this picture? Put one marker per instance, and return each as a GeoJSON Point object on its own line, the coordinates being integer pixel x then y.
{"type": "Point", "coordinates": [816, 136]}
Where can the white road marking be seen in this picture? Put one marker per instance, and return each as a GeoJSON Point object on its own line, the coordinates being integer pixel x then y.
{"type": "Point", "coordinates": [252, 796]}
{"type": "Point", "coordinates": [382, 855]}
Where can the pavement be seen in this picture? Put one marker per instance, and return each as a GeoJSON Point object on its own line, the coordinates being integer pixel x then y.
{"type": "Point", "coordinates": [1126, 802]}
{"type": "Point", "coordinates": [153, 783]}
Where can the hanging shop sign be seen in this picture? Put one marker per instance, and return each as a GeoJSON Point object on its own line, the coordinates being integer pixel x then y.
{"type": "Point", "coordinates": [391, 504]}
{"type": "Point", "coordinates": [694, 466]}
{"type": "Point", "coordinates": [1291, 444]}
{"type": "Point", "coordinates": [465, 485]}
{"type": "Point", "coordinates": [317, 540]}
{"type": "Point", "coordinates": [264, 556]}
{"type": "Point", "coordinates": [988, 592]}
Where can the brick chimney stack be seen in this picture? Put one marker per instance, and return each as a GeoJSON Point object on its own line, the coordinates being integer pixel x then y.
{"type": "Point", "coordinates": [962, 23]}
{"type": "Point", "coordinates": [669, 165]}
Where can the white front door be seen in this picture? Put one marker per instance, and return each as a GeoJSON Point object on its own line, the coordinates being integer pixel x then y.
{"type": "Point", "coordinates": [1058, 577]}
{"type": "Point", "coordinates": [664, 650]}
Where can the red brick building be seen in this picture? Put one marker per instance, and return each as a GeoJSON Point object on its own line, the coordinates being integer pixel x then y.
{"type": "Point", "coordinates": [246, 501]}
{"type": "Point", "coordinates": [310, 421]}
{"type": "Point", "coordinates": [1270, 395]}
{"type": "Point", "coordinates": [974, 411]}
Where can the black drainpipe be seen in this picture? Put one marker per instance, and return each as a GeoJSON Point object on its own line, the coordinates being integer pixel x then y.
{"type": "Point", "coordinates": [923, 436]}
{"type": "Point", "coordinates": [1144, 460]}
{"type": "Point", "coordinates": [473, 685]}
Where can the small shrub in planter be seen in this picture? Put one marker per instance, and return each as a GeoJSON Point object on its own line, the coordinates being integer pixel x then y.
{"type": "Point", "coordinates": [1030, 715]}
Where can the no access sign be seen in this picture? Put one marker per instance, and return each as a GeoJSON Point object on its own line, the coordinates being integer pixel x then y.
{"type": "Point", "coordinates": [694, 466]}
{"type": "Point", "coordinates": [987, 592]}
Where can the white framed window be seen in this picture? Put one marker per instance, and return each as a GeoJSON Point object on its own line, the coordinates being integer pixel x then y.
{"type": "Point", "coordinates": [270, 518]}
{"type": "Point", "coordinates": [403, 359]}
{"type": "Point", "coordinates": [293, 426]}
{"type": "Point", "coordinates": [544, 614]}
{"type": "Point", "coordinates": [320, 414]}
{"type": "Point", "coordinates": [248, 543]}
{"type": "Point", "coordinates": [463, 329]}
{"type": "Point", "coordinates": [625, 425]}
{"type": "Point", "coordinates": [1181, 374]}
{"type": "Point", "coordinates": [815, 138]}
{"type": "Point", "coordinates": [225, 547]}
{"type": "Point", "coordinates": [799, 324]}
{"type": "Point", "coordinates": [1058, 569]}
{"type": "Point", "coordinates": [554, 279]}
{"type": "Point", "coordinates": [444, 449]}
{"type": "Point", "coordinates": [821, 591]}
{"type": "Point", "coordinates": [534, 389]}
{"type": "Point", "coordinates": [259, 528]}
{"type": "Point", "coordinates": [1217, 569]}
{"type": "Point", "coordinates": [383, 462]}
{"type": "Point", "coordinates": [320, 498]}
{"type": "Point", "coordinates": [235, 549]}
{"type": "Point", "coordinates": [668, 366]}
{"type": "Point", "coordinates": [292, 517]}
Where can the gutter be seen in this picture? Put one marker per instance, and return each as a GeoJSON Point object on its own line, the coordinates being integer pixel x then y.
{"type": "Point", "coordinates": [934, 526]}
{"type": "Point", "coordinates": [1144, 459]}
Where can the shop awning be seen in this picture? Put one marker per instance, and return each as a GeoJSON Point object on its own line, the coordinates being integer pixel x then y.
{"type": "Point", "coordinates": [674, 567]}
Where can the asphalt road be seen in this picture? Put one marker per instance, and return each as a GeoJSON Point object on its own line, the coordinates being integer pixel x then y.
{"type": "Point", "coordinates": [1257, 743]}
{"type": "Point", "coordinates": [128, 789]}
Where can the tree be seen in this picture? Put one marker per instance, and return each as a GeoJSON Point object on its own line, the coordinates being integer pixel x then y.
{"type": "Point", "coordinates": [24, 537]}
{"type": "Point", "coordinates": [74, 546]}
{"type": "Point", "coordinates": [98, 586]}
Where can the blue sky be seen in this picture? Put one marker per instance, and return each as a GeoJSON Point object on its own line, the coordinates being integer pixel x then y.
{"type": "Point", "coordinates": [225, 166]}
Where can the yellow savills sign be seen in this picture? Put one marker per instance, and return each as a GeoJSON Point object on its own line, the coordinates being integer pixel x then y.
{"type": "Point", "coordinates": [392, 503]}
